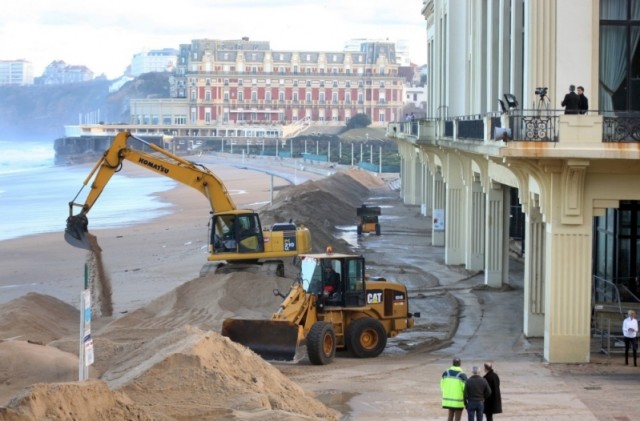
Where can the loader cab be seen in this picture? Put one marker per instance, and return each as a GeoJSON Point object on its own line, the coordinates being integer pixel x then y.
{"type": "Point", "coordinates": [236, 233]}
{"type": "Point", "coordinates": [317, 272]}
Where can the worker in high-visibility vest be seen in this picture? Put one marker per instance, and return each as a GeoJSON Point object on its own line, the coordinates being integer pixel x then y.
{"type": "Point", "coordinates": [452, 387]}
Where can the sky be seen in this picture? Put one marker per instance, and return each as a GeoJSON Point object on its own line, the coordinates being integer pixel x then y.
{"type": "Point", "coordinates": [104, 35]}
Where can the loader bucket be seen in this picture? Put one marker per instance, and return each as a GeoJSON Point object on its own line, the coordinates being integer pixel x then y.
{"type": "Point", "coordinates": [272, 340]}
{"type": "Point", "coordinates": [76, 231]}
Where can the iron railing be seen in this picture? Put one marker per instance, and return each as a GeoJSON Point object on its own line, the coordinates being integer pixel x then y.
{"type": "Point", "coordinates": [620, 127]}
{"type": "Point", "coordinates": [533, 125]}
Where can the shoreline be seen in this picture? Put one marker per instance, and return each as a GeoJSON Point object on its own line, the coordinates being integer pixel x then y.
{"type": "Point", "coordinates": [144, 260]}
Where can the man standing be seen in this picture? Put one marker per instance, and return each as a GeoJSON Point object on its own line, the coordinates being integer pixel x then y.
{"type": "Point", "coordinates": [571, 102]}
{"type": "Point", "coordinates": [452, 387]}
{"type": "Point", "coordinates": [476, 390]}
{"type": "Point", "coordinates": [583, 101]}
{"type": "Point", "coordinates": [630, 332]}
{"type": "Point", "coordinates": [493, 404]}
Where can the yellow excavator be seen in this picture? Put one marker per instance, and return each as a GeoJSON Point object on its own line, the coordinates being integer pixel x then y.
{"type": "Point", "coordinates": [237, 240]}
{"type": "Point", "coordinates": [332, 305]}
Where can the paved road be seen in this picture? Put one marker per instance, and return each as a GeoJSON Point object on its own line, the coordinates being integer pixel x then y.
{"type": "Point", "coordinates": [459, 318]}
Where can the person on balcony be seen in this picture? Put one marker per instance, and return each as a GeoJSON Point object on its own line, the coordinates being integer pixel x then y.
{"type": "Point", "coordinates": [571, 101]}
{"type": "Point", "coordinates": [583, 103]}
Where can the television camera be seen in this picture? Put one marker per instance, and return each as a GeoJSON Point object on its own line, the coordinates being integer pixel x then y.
{"type": "Point", "coordinates": [542, 92]}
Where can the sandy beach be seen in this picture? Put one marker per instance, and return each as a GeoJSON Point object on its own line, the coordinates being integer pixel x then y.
{"type": "Point", "coordinates": [160, 348]}
{"type": "Point", "coordinates": [144, 260]}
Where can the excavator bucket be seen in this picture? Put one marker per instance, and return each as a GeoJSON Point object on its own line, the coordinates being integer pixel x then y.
{"type": "Point", "coordinates": [76, 232]}
{"type": "Point", "coordinates": [272, 340]}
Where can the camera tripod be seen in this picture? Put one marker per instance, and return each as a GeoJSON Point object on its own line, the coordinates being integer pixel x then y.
{"type": "Point", "coordinates": [542, 104]}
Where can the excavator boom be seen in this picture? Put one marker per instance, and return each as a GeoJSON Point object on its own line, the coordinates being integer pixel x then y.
{"type": "Point", "coordinates": [236, 234]}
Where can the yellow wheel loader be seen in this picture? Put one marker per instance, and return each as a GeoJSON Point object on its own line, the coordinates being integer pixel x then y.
{"type": "Point", "coordinates": [332, 305]}
{"type": "Point", "coordinates": [368, 219]}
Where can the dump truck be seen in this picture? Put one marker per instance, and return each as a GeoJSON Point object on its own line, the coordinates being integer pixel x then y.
{"type": "Point", "coordinates": [358, 315]}
{"type": "Point", "coordinates": [237, 240]}
{"type": "Point", "coordinates": [368, 219]}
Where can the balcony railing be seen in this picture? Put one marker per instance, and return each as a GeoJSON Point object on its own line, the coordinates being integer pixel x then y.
{"type": "Point", "coordinates": [621, 127]}
{"type": "Point", "coordinates": [530, 126]}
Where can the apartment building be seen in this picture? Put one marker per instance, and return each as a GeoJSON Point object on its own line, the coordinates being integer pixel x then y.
{"type": "Point", "coordinates": [16, 72]}
{"type": "Point", "coordinates": [246, 82]}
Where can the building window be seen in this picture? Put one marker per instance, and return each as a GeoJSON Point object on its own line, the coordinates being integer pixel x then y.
{"type": "Point", "coordinates": [240, 96]}
{"type": "Point", "coordinates": [207, 117]}
{"type": "Point", "coordinates": [619, 55]}
{"type": "Point", "coordinates": [308, 96]}
{"type": "Point", "coordinates": [254, 96]}
{"type": "Point", "coordinates": [193, 95]}
{"type": "Point", "coordinates": [226, 96]}
{"type": "Point", "coordinates": [281, 96]}
{"type": "Point", "coordinates": [207, 95]}
{"type": "Point", "coordinates": [267, 96]}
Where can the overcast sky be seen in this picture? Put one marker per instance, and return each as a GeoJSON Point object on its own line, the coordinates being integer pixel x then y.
{"type": "Point", "coordinates": [104, 35]}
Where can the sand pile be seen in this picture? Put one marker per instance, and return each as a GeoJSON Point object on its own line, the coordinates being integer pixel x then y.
{"type": "Point", "coordinates": [166, 360]}
{"type": "Point", "coordinates": [323, 204]}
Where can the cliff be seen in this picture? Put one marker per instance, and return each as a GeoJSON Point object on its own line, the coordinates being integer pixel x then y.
{"type": "Point", "coordinates": [41, 112]}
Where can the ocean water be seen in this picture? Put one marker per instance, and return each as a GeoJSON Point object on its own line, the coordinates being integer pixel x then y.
{"type": "Point", "coordinates": [35, 193]}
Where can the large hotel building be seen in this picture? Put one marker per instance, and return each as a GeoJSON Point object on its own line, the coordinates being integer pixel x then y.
{"type": "Point", "coordinates": [243, 82]}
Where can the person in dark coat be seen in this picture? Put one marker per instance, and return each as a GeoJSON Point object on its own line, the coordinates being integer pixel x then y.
{"type": "Point", "coordinates": [493, 404]}
{"type": "Point", "coordinates": [583, 101]}
{"type": "Point", "coordinates": [571, 101]}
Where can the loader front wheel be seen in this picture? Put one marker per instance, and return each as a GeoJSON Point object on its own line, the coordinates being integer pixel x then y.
{"type": "Point", "coordinates": [366, 338]}
{"type": "Point", "coordinates": [321, 343]}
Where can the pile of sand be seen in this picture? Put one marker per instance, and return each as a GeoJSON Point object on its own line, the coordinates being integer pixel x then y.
{"type": "Point", "coordinates": [165, 360]}
{"type": "Point", "coordinates": [322, 205]}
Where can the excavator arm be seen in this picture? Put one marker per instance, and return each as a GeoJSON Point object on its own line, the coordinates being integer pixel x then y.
{"type": "Point", "coordinates": [160, 161]}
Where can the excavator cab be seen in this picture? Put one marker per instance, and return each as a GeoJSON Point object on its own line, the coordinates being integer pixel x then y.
{"type": "Point", "coordinates": [236, 233]}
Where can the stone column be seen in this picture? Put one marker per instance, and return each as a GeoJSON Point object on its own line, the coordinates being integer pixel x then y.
{"type": "Point", "coordinates": [568, 262]}
{"type": "Point", "coordinates": [475, 226]}
{"type": "Point", "coordinates": [496, 241]}
{"type": "Point", "coordinates": [534, 271]}
{"type": "Point", "coordinates": [438, 213]}
{"type": "Point", "coordinates": [455, 212]}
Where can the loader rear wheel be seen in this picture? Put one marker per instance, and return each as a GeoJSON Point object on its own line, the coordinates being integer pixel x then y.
{"type": "Point", "coordinates": [366, 338]}
{"type": "Point", "coordinates": [377, 229]}
{"type": "Point", "coordinates": [321, 343]}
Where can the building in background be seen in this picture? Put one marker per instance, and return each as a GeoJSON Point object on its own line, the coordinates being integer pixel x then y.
{"type": "Point", "coordinates": [246, 82]}
{"type": "Point", "coordinates": [58, 73]}
{"type": "Point", "coordinates": [16, 72]}
{"type": "Point", "coordinates": [163, 60]}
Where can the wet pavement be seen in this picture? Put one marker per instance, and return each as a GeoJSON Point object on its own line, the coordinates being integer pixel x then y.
{"type": "Point", "coordinates": [460, 317]}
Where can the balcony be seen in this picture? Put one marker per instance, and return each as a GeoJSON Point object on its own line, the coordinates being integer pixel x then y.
{"type": "Point", "coordinates": [594, 135]}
